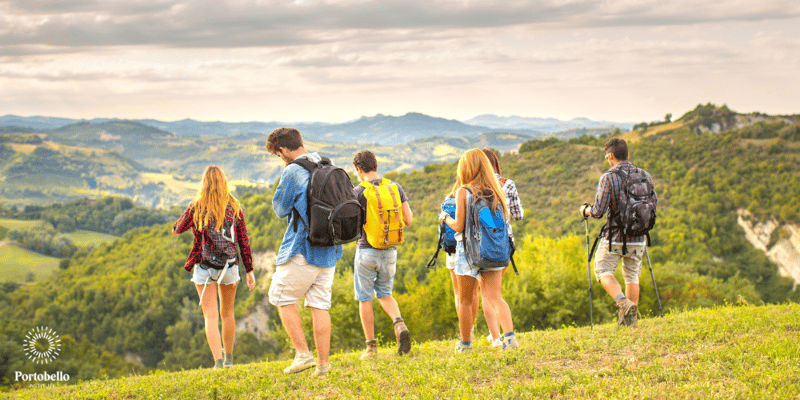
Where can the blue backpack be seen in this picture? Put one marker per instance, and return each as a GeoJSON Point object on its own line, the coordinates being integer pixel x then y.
{"type": "Point", "coordinates": [486, 240]}
{"type": "Point", "coordinates": [447, 236]}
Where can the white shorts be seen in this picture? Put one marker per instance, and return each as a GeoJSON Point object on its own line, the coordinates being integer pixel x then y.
{"type": "Point", "coordinates": [297, 279]}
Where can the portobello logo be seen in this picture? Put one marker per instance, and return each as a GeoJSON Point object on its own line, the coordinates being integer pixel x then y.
{"type": "Point", "coordinates": [42, 345]}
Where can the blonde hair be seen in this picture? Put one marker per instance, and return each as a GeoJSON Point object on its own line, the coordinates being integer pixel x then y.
{"type": "Point", "coordinates": [475, 172]}
{"type": "Point", "coordinates": [456, 186]}
{"type": "Point", "coordinates": [213, 198]}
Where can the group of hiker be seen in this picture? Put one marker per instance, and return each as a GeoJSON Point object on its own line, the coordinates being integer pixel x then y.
{"type": "Point", "coordinates": [324, 210]}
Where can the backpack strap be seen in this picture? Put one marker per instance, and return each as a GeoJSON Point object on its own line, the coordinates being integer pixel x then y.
{"type": "Point", "coordinates": [309, 166]}
{"type": "Point", "coordinates": [511, 257]}
{"type": "Point", "coordinates": [594, 246]}
{"type": "Point", "coordinates": [617, 225]}
{"type": "Point", "coordinates": [396, 212]}
{"type": "Point", "coordinates": [432, 262]}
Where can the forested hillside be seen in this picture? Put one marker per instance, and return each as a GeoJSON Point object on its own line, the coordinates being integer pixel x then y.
{"type": "Point", "coordinates": [132, 298]}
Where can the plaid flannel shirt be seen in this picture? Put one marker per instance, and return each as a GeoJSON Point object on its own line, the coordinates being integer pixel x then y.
{"type": "Point", "coordinates": [514, 206]}
{"type": "Point", "coordinates": [607, 199]}
{"type": "Point", "coordinates": [186, 222]}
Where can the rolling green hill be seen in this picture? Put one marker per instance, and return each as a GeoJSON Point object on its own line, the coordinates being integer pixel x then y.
{"type": "Point", "coordinates": [131, 298]}
{"type": "Point", "coordinates": [688, 355]}
{"type": "Point", "coordinates": [159, 169]}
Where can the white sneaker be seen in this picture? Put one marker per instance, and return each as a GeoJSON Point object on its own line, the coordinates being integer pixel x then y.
{"type": "Point", "coordinates": [510, 342]}
{"type": "Point", "coordinates": [300, 363]}
{"type": "Point", "coordinates": [460, 348]}
{"type": "Point", "coordinates": [489, 338]}
{"type": "Point", "coordinates": [497, 343]}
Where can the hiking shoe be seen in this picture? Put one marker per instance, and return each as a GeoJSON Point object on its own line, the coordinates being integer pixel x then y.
{"type": "Point", "coordinates": [403, 339]}
{"type": "Point", "coordinates": [228, 361]}
{"type": "Point", "coordinates": [462, 348]}
{"type": "Point", "coordinates": [300, 363]}
{"type": "Point", "coordinates": [510, 342]}
{"type": "Point", "coordinates": [625, 309]}
{"type": "Point", "coordinates": [218, 364]}
{"type": "Point", "coordinates": [371, 350]}
{"type": "Point", "coordinates": [497, 343]}
{"type": "Point", "coordinates": [632, 320]}
{"type": "Point", "coordinates": [322, 370]}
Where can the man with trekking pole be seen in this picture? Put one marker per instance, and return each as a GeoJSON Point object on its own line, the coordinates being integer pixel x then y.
{"type": "Point", "coordinates": [627, 193]}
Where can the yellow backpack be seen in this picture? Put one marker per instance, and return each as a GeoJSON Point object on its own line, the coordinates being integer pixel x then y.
{"type": "Point", "coordinates": [384, 222]}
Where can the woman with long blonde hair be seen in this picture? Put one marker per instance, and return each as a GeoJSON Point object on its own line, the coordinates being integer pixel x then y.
{"type": "Point", "coordinates": [217, 221]}
{"type": "Point", "coordinates": [476, 174]}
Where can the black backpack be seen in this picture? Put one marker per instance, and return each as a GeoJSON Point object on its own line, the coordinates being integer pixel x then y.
{"type": "Point", "coordinates": [637, 207]}
{"type": "Point", "coordinates": [219, 246]}
{"type": "Point", "coordinates": [334, 214]}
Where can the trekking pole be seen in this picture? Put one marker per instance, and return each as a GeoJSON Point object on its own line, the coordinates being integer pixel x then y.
{"type": "Point", "coordinates": [661, 310]}
{"type": "Point", "coordinates": [589, 270]}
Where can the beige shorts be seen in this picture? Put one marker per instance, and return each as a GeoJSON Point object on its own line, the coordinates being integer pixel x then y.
{"type": "Point", "coordinates": [297, 279]}
{"type": "Point", "coordinates": [606, 262]}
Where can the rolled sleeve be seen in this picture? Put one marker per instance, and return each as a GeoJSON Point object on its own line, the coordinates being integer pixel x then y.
{"type": "Point", "coordinates": [285, 193]}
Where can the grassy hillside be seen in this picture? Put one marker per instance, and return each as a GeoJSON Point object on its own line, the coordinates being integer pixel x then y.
{"type": "Point", "coordinates": [159, 169]}
{"type": "Point", "coordinates": [132, 299]}
{"type": "Point", "coordinates": [722, 353]}
{"type": "Point", "coordinates": [21, 265]}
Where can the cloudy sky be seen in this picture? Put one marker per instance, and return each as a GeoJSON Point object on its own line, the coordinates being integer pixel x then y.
{"type": "Point", "coordinates": [336, 60]}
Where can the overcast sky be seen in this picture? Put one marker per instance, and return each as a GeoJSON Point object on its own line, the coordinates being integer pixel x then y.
{"type": "Point", "coordinates": [336, 60]}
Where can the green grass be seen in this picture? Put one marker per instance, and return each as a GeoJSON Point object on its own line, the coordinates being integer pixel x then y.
{"type": "Point", "coordinates": [16, 263]}
{"type": "Point", "coordinates": [83, 238]}
{"type": "Point", "coordinates": [726, 352]}
{"type": "Point", "coordinates": [19, 224]}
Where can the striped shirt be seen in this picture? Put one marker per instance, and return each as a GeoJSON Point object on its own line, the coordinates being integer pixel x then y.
{"type": "Point", "coordinates": [608, 197]}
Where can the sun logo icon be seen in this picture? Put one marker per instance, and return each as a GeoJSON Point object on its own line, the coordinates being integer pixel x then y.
{"type": "Point", "coordinates": [42, 345]}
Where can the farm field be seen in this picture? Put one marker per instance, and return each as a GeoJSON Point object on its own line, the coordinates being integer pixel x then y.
{"type": "Point", "coordinates": [16, 263]}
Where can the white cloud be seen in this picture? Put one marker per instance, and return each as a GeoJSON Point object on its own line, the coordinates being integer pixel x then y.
{"type": "Point", "coordinates": [342, 59]}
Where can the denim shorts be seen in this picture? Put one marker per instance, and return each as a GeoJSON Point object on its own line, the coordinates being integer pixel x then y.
{"type": "Point", "coordinates": [374, 272]}
{"type": "Point", "coordinates": [462, 267]}
{"type": "Point", "coordinates": [202, 276]}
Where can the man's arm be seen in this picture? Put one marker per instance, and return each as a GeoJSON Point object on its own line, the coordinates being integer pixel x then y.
{"type": "Point", "coordinates": [514, 206]}
{"type": "Point", "coordinates": [407, 214]}
{"type": "Point", "coordinates": [602, 198]}
{"type": "Point", "coordinates": [283, 201]}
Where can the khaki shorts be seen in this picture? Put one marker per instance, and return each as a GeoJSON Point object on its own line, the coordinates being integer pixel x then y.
{"type": "Point", "coordinates": [296, 279]}
{"type": "Point", "coordinates": [606, 262]}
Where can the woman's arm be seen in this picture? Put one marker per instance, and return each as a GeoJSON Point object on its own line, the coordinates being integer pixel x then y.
{"type": "Point", "coordinates": [185, 222]}
{"type": "Point", "coordinates": [461, 211]}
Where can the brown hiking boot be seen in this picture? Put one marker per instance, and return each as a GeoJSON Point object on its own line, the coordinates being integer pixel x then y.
{"type": "Point", "coordinates": [632, 320]}
{"type": "Point", "coordinates": [371, 351]}
{"type": "Point", "coordinates": [626, 311]}
{"type": "Point", "coordinates": [403, 339]}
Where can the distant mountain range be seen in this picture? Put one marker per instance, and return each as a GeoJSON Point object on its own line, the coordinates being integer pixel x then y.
{"type": "Point", "coordinates": [380, 129]}
{"type": "Point", "coordinates": [546, 125]}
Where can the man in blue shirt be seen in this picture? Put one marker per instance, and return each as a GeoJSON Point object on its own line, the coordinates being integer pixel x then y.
{"type": "Point", "coordinates": [301, 270]}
